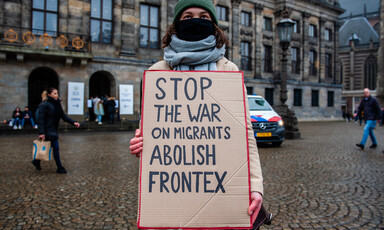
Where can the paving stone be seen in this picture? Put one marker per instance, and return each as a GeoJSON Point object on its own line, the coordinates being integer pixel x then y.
{"type": "Point", "coordinates": [321, 181]}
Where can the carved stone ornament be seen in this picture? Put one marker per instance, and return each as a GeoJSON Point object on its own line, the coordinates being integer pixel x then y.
{"type": "Point", "coordinates": [11, 35]}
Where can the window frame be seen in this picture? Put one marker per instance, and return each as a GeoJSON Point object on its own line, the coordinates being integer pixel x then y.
{"type": "Point", "coordinates": [101, 20]}
{"type": "Point", "coordinates": [295, 60]}
{"type": "Point", "coordinates": [370, 72]}
{"type": "Point", "coordinates": [328, 34]}
{"type": "Point", "coordinates": [149, 27]}
{"type": "Point", "coordinates": [244, 56]}
{"type": "Point", "coordinates": [296, 27]}
{"type": "Point", "coordinates": [220, 14]}
{"type": "Point", "coordinates": [315, 98]}
{"type": "Point", "coordinates": [331, 99]}
{"type": "Point", "coordinates": [269, 95]}
{"type": "Point", "coordinates": [312, 63]}
{"type": "Point", "coordinates": [328, 65]}
{"type": "Point", "coordinates": [312, 28]}
{"type": "Point", "coordinates": [45, 11]}
{"type": "Point", "coordinates": [298, 97]}
{"type": "Point", "coordinates": [245, 15]}
{"type": "Point", "coordinates": [267, 59]}
{"type": "Point", "coordinates": [269, 26]}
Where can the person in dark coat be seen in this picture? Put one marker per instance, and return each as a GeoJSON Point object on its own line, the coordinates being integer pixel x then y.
{"type": "Point", "coordinates": [16, 118]}
{"type": "Point", "coordinates": [371, 108]}
{"type": "Point", "coordinates": [111, 109]}
{"type": "Point", "coordinates": [50, 113]}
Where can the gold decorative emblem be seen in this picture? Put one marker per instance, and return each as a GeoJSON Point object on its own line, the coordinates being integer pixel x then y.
{"type": "Point", "coordinates": [11, 35]}
{"type": "Point", "coordinates": [78, 43]}
{"type": "Point", "coordinates": [45, 39]}
{"type": "Point", "coordinates": [62, 41]}
{"type": "Point", "coordinates": [29, 37]}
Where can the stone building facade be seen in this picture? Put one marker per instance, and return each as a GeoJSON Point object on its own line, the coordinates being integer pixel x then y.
{"type": "Point", "coordinates": [358, 52]}
{"type": "Point", "coordinates": [106, 43]}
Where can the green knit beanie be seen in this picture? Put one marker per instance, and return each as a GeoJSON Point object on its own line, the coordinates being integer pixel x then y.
{"type": "Point", "coordinates": [204, 4]}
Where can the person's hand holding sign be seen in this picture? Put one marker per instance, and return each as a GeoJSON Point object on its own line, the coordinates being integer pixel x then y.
{"type": "Point", "coordinates": [255, 206]}
{"type": "Point", "coordinates": [136, 144]}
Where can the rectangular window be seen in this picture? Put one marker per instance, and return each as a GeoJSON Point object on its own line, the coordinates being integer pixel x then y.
{"type": "Point", "coordinates": [331, 98]}
{"type": "Point", "coordinates": [245, 19]}
{"type": "Point", "coordinates": [45, 17]}
{"type": "Point", "coordinates": [269, 95]}
{"type": "Point", "coordinates": [297, 97]}
{"type": "Point", "coordinates": [149, 27]}
{"type": "Point", "coordinates": [267, 59]}
{"type": "Point", "coordinates": [312, 31]}
{"type": "Point", "coordinates": [296, 27]}
{"type": "Point", "coordinates": [328, 65]}
{"type": "Point", "coordinates": [245, 56]}
{"type": "Point", "coordinates": [295, 57]}
{"type": "Point", "coordinates": [221, 12]}
{"type": "Point", "coordinates": [315, 98]}
{"type": "Point", "coordinates": [101, 21]}
{"type": "Point", "coordinates": [249, 90]}
{"type": "Point", "coordinates": [267, 25]}
{"type": "Point", "coordinates": [312, 63]}
{"type": "Point", "coordinates": [327, 34]}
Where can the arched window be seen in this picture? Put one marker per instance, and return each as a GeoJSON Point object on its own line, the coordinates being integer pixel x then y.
{"type": "Point", "coordinates": [370, 72]}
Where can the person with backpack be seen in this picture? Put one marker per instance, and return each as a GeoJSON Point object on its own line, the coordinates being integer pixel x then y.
{"type": "Point", "coordinates": [49, 114]}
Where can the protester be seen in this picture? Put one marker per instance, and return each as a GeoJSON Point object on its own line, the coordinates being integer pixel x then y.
{"type": "Point", "coordinates": [195, 42]}
{"type": "Point", "coordinates": [27, 117]}
{"type": "Point", "coordinates": [370, 106]}
{"type": "Point", "coordinates": [50, 113]}
{"type": "Point", "coordinates": [16, 118]}
{"type": "Point", "coordinates": [111, 109]}
{"type": "Point", "coordinates": [99, 111]}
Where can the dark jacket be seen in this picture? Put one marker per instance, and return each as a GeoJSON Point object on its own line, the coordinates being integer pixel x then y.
{"type": "Point", "coordinates": [29, 113]}
{"type": "Point", "coordinates": [50, 113]}
{"type": "Point", "coordinates": [111, 106]}
{"type": "Point", "coordinates": [17, 115]}
{"type": "Point", "coordinates": [371, 108]}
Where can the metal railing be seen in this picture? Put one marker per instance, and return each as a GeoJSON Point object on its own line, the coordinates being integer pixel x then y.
{"type": "Point", "coordinates": [47, 40]}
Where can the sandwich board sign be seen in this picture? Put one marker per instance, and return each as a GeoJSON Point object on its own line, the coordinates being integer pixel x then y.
{"type": "Point", "coordinates": [194, 171]}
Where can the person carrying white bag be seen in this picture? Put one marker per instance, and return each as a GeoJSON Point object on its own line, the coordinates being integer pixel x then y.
{"type": "Point", "coordinates": [50, 112]}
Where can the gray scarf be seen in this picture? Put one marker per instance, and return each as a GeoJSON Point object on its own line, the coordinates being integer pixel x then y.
{"type": "Point", "coordinates": [199, 55]}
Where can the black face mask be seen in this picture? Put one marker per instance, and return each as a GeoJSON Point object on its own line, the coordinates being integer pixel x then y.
{"type": "Point", "coordinates": [194, 29]}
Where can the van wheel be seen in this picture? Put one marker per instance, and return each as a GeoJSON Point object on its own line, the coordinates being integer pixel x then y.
{"type": "Point", "coordinates": [277, 143]}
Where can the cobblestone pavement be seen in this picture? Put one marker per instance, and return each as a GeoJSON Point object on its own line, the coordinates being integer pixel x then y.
{"type": "Point", "coordinates": [321, 181]}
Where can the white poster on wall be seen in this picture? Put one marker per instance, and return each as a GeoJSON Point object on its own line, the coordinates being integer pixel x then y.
{"type": "Point", "coordinates": [126, 99]}
{"type": "Point", "coordinates": [75, 98]}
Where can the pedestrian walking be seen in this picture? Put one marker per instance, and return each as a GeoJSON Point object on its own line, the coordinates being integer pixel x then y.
{"type": "Point", "coordinates": [195, 42]}
{"type": "Point", "coordinates": [111, 109]}
{"type": "Point", "coordinates": [27, 117]}
{"type": "Point", "coordinates": [16, 118]}
{"type": "Point", "coordinates": [50, 112]}
{"type": "Point", "coordinates": [99, 111]}
{"type": "Point", "coordinates": [370, 106]}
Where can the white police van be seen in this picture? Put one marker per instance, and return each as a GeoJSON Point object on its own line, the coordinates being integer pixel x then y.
{"type": "Point", "coordinates": [267, 125]}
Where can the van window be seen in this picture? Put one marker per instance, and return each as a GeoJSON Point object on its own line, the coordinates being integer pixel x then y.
{"type": "Point", "coordinates": [258, 104]}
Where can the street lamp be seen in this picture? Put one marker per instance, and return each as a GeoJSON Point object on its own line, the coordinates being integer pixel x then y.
{"type": "Point", "coordinates": [285, 30]}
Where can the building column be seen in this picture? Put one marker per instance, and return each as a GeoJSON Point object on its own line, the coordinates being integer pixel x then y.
{"type": "Point", "coordinates": [258, 25]}
{"type": "Point", "coordinates": [236, 58]}
{"type": "Point", "coordinates": [380, 60]}
{"type": "Point", "coordinates": [305, 48]}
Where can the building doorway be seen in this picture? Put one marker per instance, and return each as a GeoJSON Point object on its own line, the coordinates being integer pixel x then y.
{"type": "Point", "coordinates": [39, 80]}
{"type": "Point", "coordinates": [102, 83]}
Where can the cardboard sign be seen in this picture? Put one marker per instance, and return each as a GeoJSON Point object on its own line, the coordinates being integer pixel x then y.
{"type": "Point", "coordinates": [194, 166]}
{"type": "Point", "coordinates": [75, 98]}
